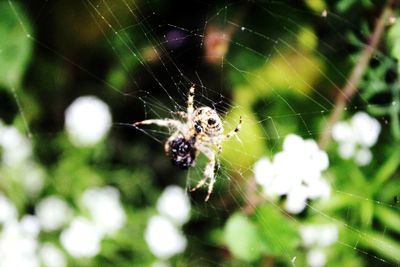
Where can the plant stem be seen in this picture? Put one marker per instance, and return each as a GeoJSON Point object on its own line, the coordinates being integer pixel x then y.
{"type": "Point", "coordinates": [251, 196]}
{"type": "Point", "coordinates": [350, 87]}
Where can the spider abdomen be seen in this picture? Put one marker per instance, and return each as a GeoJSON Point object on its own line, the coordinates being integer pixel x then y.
{"type": "Point", "coordinates": [183, 152]}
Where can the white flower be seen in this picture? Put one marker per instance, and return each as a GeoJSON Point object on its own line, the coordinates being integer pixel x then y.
{"type": "Point", "coordinates": [296, 199]}
{"type": "Point", "coordinates": [356, 137]}
{"type": "Point", "coordinates": [294, 172]}
{"type": "Point", "coordinates": [309, 235]}
{"type": "Point", "coordinates": [346, 149]}
{"type": "Point", "coordinates": [105, 208]}
{"type": "Point", "coordinates": [263, 168]}
{"type": "Point", "coordinates": [18, 245]}
{"type": "Point", "coordinates": [319, 189]}
{"type": "Point", "coordinates": [16, 147]}
{"type": "Point", "coordinates": [30, 225]}
{"type": "Point", "coordinates": [160, 264]}
{"type": "Point", "coordinates": [53, 213]}
{"type": "Point", "coordinates": [319, 235]}
{"type": "Point", "coordinates": [328, 235]}
{"type": "Point", "coordinates": [316, 258]}
{"type": "Point", "coordinates": [8, 212]}
{"type": "Point", "coordinates": [164, 238]}
{"type": "Point", "coordinates": [15, 152]}
{"type": "Point", "coordinates": [81, 238]}
{"type": "Point", "coordinates": [87, 120]}
{"type": "Point", "coordinates": [175, 204]}
{"type": "Point", "coordinates": [366, 128]}
{"type": "Point", "coordinates": [52, 256]}
{"type": "Point", "coordinates": [363, 156]}
{"type": "Point", "coordinates": [342, 131]}
{"type": "Point", "coordinates": [32, 178]}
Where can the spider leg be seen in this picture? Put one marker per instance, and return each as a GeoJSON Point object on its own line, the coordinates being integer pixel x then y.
{"type": "Point", "coordinates": [208, 172]}
{"type": "Point", "coordinates": [172, 137]}
{"type": "Point", "coordinates": [234, 131]}
{"type": "Point", "coordinates": [190, 107]}
{"type": "Point", "coordinates": [160, 122]}
{"type": "Point", "coordinates": [199, 184]}
{"type": "Point", "coordinates": [182, 114]}
{"type": "Point", "coordinates": [219, 147]}
{"type": "Point", "coordinates": [211, 167]}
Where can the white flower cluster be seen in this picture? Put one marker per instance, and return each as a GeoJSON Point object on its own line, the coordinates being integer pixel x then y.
{"type": "Point", "coordinates": [8, 212]}
{"type": "Point", "coordinates": [316, 238]}
{"type": "Point", "coordinates": [16, 148]}
{"type": "Point", "coordinates": [51, 256]}
{"type": "Point", "coordinates": [105, 209]}
{"type": "Point", "coordinates": [53, 213]}
{"type": "Point", "coordinates": [19, 244]}
{"type": "Point", "coordinates": [87, 121]}
{"type": "Point", "coordinates": [163, 234]}
{"type": "Point", "coordinates": [83, 236]}
{"type": "Point", "coordinates": [16, 152]}
{"type": "Point", "coordinates": [356, 137]}
{"type": "Point", "coordinates": [295, 172]}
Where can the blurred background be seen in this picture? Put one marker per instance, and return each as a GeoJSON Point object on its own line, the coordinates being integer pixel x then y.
{"type": "Point", "coordinates": [312, 178]}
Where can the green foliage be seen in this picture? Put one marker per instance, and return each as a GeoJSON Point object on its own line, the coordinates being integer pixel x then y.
{"type": "Point", "coordinates": [241, 237]}
{"type": "Point", "coordinates": [279, 85]}
{"type": "Point", "coordinates": [393, 39]}
{"type": "Point", "coordinates": [15, 45]}
{"type": "Point", "coordinates": [266, 233]}
{"type": "Point", "coordinates": [345, 5]}
{"type": "Point", "coordinates": [382, 79]}
{"type": "Point", "coordinates": [364, 213]}
{"type": "Point", "coordinates": [278, 234]}
{"type": "Point", "coordinates": [381, 244]}
{"type": "Point", "coordinates": [251, 130]}
{"type": "Point", "coordinates": [316, 5]}
{"type": "Point", "coordinates": [376, 82]}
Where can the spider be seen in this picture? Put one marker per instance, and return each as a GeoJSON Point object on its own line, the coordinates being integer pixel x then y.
{"type": "Point", "coordinates": [201, 132]}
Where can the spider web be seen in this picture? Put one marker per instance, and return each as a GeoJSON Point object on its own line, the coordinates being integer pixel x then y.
{"type": "Point", "coordinates": [155, 53]}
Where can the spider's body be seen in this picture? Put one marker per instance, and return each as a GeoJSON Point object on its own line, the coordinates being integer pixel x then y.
{"type": "Point", "coordinates": [205, 125]}
{"type": "Point", "coordinates": [201, 132]}
{"type": "Point", "coordinates": [207, 122]}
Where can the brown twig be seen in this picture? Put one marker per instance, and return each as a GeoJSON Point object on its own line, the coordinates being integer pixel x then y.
{"type": "Point", "coordinates": [251, 196]}
{"type": "Point", "coordinates": [350, 87]}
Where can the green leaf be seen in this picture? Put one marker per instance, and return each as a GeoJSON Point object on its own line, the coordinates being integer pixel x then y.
{"type": "Point", "coordinates": [15, 45]}
{"type": "Point", "coordinates": [390, 218]}
{"type": "Point", "coordinates": [316, 5]}
{"type": "Point", "coordinates": [366, 213]}
{"type": "Point", "coordinates": [387, 169]}
{"type": "Point", "coordinates": [237, 153]}
{"type": "Point", "coordinates": [344, 5]}
{"type": "Point", "coordinates": [394, 40]}
{"type": "Point", "coordinates": [384, 245]}
{"type": "Point", "coordinates": [278, 234]}
{"type": "Point", "coordinates": [241, 238]}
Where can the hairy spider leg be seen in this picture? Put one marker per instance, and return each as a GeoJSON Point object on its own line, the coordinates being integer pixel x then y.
{"type": "Point", "coordinates": [208, 172]}
{"type": "Point", "coordinates": [163, 123]}
{"type": "Point", "coordinates": [234, 131]}
{"type": "Point", "coordinates": [169, 140]}
{"type": "Point", "coordinates": [219, 147]}
{"type": "Point", "coordinates": [182, 114]}
{"type": "Point", "coordinates": [160, 122]}
{"type": "Point", "coordinates": [190, 107]}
